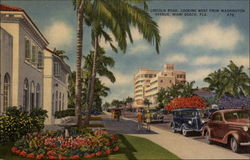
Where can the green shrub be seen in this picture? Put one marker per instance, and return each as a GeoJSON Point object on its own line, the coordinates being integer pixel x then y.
{"type": "Point", "coordinates": [17, 123]}
{"type": "Point", "coordinates": [65, 113]}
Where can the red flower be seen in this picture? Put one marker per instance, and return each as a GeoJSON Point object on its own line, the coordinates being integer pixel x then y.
{"type": "Point", "coordinates": [18, 151]}
{"type": "Point", "coordinates": [116, 148]}
{"type": "Point", "coordinates": [99, 153]}
{"type": "Point", "coordinates": [52, 157]}
{"type": "Point", "coordinates": [31, 155]}
{"type": "Point", "coordinates": [87, 156]}
{"type": "Point", "coordinates": [13, 149]}
{"type": "Point", "coordinates": [75, 157]}
{"type": "Point", "coordinates": [51, 152]}
{"type": "Point", "coordinates": [61, 157]}
{"type": "Point", "coordinates": [23, 154]}
{"type": "Point", "coordinates": [40, 156]}
{"type": "Point", "coordinates": [92, 154]}
{"type": "Point", "coordinates": [108, 151]}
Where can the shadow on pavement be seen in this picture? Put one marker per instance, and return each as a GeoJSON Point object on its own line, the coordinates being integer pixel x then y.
{"type": "Point", "coordinates": [124, 127]}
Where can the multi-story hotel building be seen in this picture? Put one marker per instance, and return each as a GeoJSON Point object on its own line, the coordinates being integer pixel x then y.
{"type": "Point", "coordinates": [147, 83]}
{"type": "Point", "coordinates": [24, 65]}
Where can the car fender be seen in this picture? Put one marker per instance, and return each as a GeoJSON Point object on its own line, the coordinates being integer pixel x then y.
{"type": "Point", "coordinates": [235, 134]}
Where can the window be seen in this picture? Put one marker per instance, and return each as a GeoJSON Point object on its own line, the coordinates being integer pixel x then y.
{"type": "Point", "coordinates": [33, 58]}
{"type": "Point", "coordinates": [37, 95]}
{"type": "Point", "coordinates": [6, 92]}
{"type": "Point", "coordinates": [56, 101]}
{"type": "Point", "coordinates": [26, 94]}
{"type": "Point", "coordinates": [217, 117]}
{"type": "Point", "coordinates": [56, 69]}
{"type": "Point", "coordinates": [161, 81]}
{"type": "Point", "coordinates": [32, 96]}
{"type": "Point", "coordinates": [63, 102]}
{"type": "Point", "coordinates": [27, 49]}
{"type": "Point", "coordinates": [40, 60]}
{"type": "Point", "coordinates": [60, 101]}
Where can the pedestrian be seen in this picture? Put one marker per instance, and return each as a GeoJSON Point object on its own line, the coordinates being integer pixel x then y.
{"type": "Point", "coordinates": [148, 119]}
{"type": "Point", "coordinates": [118, 114]}
{"type": "Point", "coordinates": [113, 115]}
{"type": "Point", "coordinates": [139, 119]}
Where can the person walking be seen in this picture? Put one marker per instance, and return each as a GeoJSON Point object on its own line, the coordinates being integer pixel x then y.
{"type": "Point", "coordinates": [139, 119]}
{"type": "Point", "coordinates": [148, 119]}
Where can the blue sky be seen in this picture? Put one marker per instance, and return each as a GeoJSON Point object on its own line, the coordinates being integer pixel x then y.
{"type": "Point", "coordinates": [195, 44]}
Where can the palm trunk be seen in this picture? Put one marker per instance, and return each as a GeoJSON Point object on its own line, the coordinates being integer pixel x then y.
{"type": "Point", "coordinates": [78, 88]}
{"type": "Point", "coordinates": [92, 83]}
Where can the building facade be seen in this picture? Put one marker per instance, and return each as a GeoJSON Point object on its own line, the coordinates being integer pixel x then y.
{"type": "Point", "coordinates": [22, 68]}
{"type": "Point", "coordinates": [147, 83]}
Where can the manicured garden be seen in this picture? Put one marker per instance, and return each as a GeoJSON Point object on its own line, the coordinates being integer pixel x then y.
{"type": "Point", "coordinates": [130, 148]}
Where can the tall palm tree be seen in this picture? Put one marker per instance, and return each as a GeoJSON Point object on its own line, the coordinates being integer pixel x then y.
{"type": "Point", "coordinates": [239, 84]}
{"type": "Point", "coordinates": [117, 16]}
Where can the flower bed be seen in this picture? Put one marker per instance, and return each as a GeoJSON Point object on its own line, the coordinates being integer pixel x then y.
{"type": "Point", "coordinates": [51, 146]}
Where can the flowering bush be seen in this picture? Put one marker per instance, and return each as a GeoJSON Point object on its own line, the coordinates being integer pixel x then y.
{"type": "Point", "coordinates": [186, 102]}
{"type": "Point", "coordinates": [17, 123]}
{"type": "Point", "coordinates": [47, 146]}
{"type": "Point", "coordinates": [228, 102]}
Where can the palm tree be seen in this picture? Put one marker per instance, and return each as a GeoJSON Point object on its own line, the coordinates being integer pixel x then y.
{"type": "Point", "coordinates": [239, 83]}
{"type": "Point", "coordinates": [61, 54]}
{"type": "Point", "coordinates": [147, 102]}
{"type": "Point", "coordinates": [188, 89]}
{"type": "Point", "coordinates": [118, 16]}
{"type": "Point", "coordinates": [162, 97]}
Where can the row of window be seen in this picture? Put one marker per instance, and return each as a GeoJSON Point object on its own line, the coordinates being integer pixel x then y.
{"type": "Point", "coordinates": [31, 95]}
{"type": "Point", "coordinates": [58, 102]}
{"type": "Point", "coordinates": [58, 72]}
{"type": "Point", "coordinates": [33, 54]}
{"type": "Point", "coordinates": [181, 76]}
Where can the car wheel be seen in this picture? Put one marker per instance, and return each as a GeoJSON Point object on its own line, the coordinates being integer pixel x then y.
{"type": "Point", "coordinates": [184, 132]}
{"type": "Point", "coordinates": [207, 136]}
{"type": "Point", "coordinates": [173, 128]}
{"type": "Point", "coordinates": [234, 145]}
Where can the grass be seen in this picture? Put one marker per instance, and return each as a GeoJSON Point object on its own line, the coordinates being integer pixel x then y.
{"type": "Point", "coordinates": [132, 148]}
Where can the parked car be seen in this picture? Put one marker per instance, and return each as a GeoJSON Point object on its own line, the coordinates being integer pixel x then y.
{"type": "Point", "coordinates": [229, 126]}
{"type": "Point", "coordinates": [187, 120]}
{"type": "Point", "coordinates": [156, 115]}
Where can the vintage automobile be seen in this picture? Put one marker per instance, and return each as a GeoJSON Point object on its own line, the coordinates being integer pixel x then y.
{"type": "Point", "coordinates": [187, 120]}
{"type": "Point", "coordinates": [229, 126]}
{"type": "Point", "coordinates": [156, 115]}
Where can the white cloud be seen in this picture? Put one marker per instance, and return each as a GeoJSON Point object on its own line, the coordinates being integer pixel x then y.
{"type": "Point", "coordinates": [206, 60]}
{"type": "Point", "coordinates": [238, 60]}
{"type": "Point", "coordinates": [213, 60]}
{"type": "Point", "coordinates": [177, 58]}
{"type": "Point", "coordinates": [139, 48]}
{"type": "Point", "coordinates": [198, 75]}
{"type": "Point", "coordinates": [169, 26]}
{"type": "Point", "coordinates": [121, 79]}
{"type": "Point", "coordinates": [213, 36]}
{"type": "Point", "coordinates": [59, 34]}
{"type": "Point", "coordinates": [135, 34]}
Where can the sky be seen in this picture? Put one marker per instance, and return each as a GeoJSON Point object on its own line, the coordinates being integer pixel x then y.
{"type": "Point", "coordinates": [197, 44]}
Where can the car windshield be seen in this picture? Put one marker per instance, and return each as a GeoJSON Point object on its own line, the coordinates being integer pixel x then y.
{"type": "Point", "coordinates": [238, 116]}
{"type": "Point", "coordinates": [192, 113]}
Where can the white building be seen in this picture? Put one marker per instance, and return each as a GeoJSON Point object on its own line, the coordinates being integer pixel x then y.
{"type": "Point", "coordinates": [22, 58]}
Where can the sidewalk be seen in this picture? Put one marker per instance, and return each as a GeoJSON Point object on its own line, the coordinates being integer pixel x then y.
{"type": "Point", "coordinates": [184, 147]}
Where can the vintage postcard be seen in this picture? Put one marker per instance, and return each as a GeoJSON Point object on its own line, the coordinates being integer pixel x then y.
{"type": "Point", "coordinates": [124, 79]}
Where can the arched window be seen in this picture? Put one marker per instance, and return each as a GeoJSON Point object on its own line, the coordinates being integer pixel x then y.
{"type": "Point", "coordinates": [32, 96]}
{"type": "Point", "coordinates": [26, 94]}
{"type": "Point", "coordinates": [6, 92]}
{"type": "Point", "coordinates": [37, 95]}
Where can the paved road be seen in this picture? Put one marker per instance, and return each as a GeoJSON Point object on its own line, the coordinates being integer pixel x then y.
{"type": "Point", "coordinates": [166, 126]}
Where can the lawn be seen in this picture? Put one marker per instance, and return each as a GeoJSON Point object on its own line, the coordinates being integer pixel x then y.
{"type": "Point", "coordinates": [132, 148]}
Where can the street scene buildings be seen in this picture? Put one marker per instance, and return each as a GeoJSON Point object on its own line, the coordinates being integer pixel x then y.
{"type": "Point", "coordinates": [147, 83]}
{"type": "Point", "coordinates": [31, 76]}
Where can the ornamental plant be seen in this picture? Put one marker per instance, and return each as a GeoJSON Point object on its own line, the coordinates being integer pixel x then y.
{"type": "Point", "coordinates": [16, 123]}
{"type": "Point", "coordinates": [186, 102]}
{"type": "Point", "coordinates": [45, 145]}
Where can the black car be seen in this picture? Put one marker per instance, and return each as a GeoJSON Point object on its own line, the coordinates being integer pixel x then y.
{"type": "Point", "coordinates": [187, 120]}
